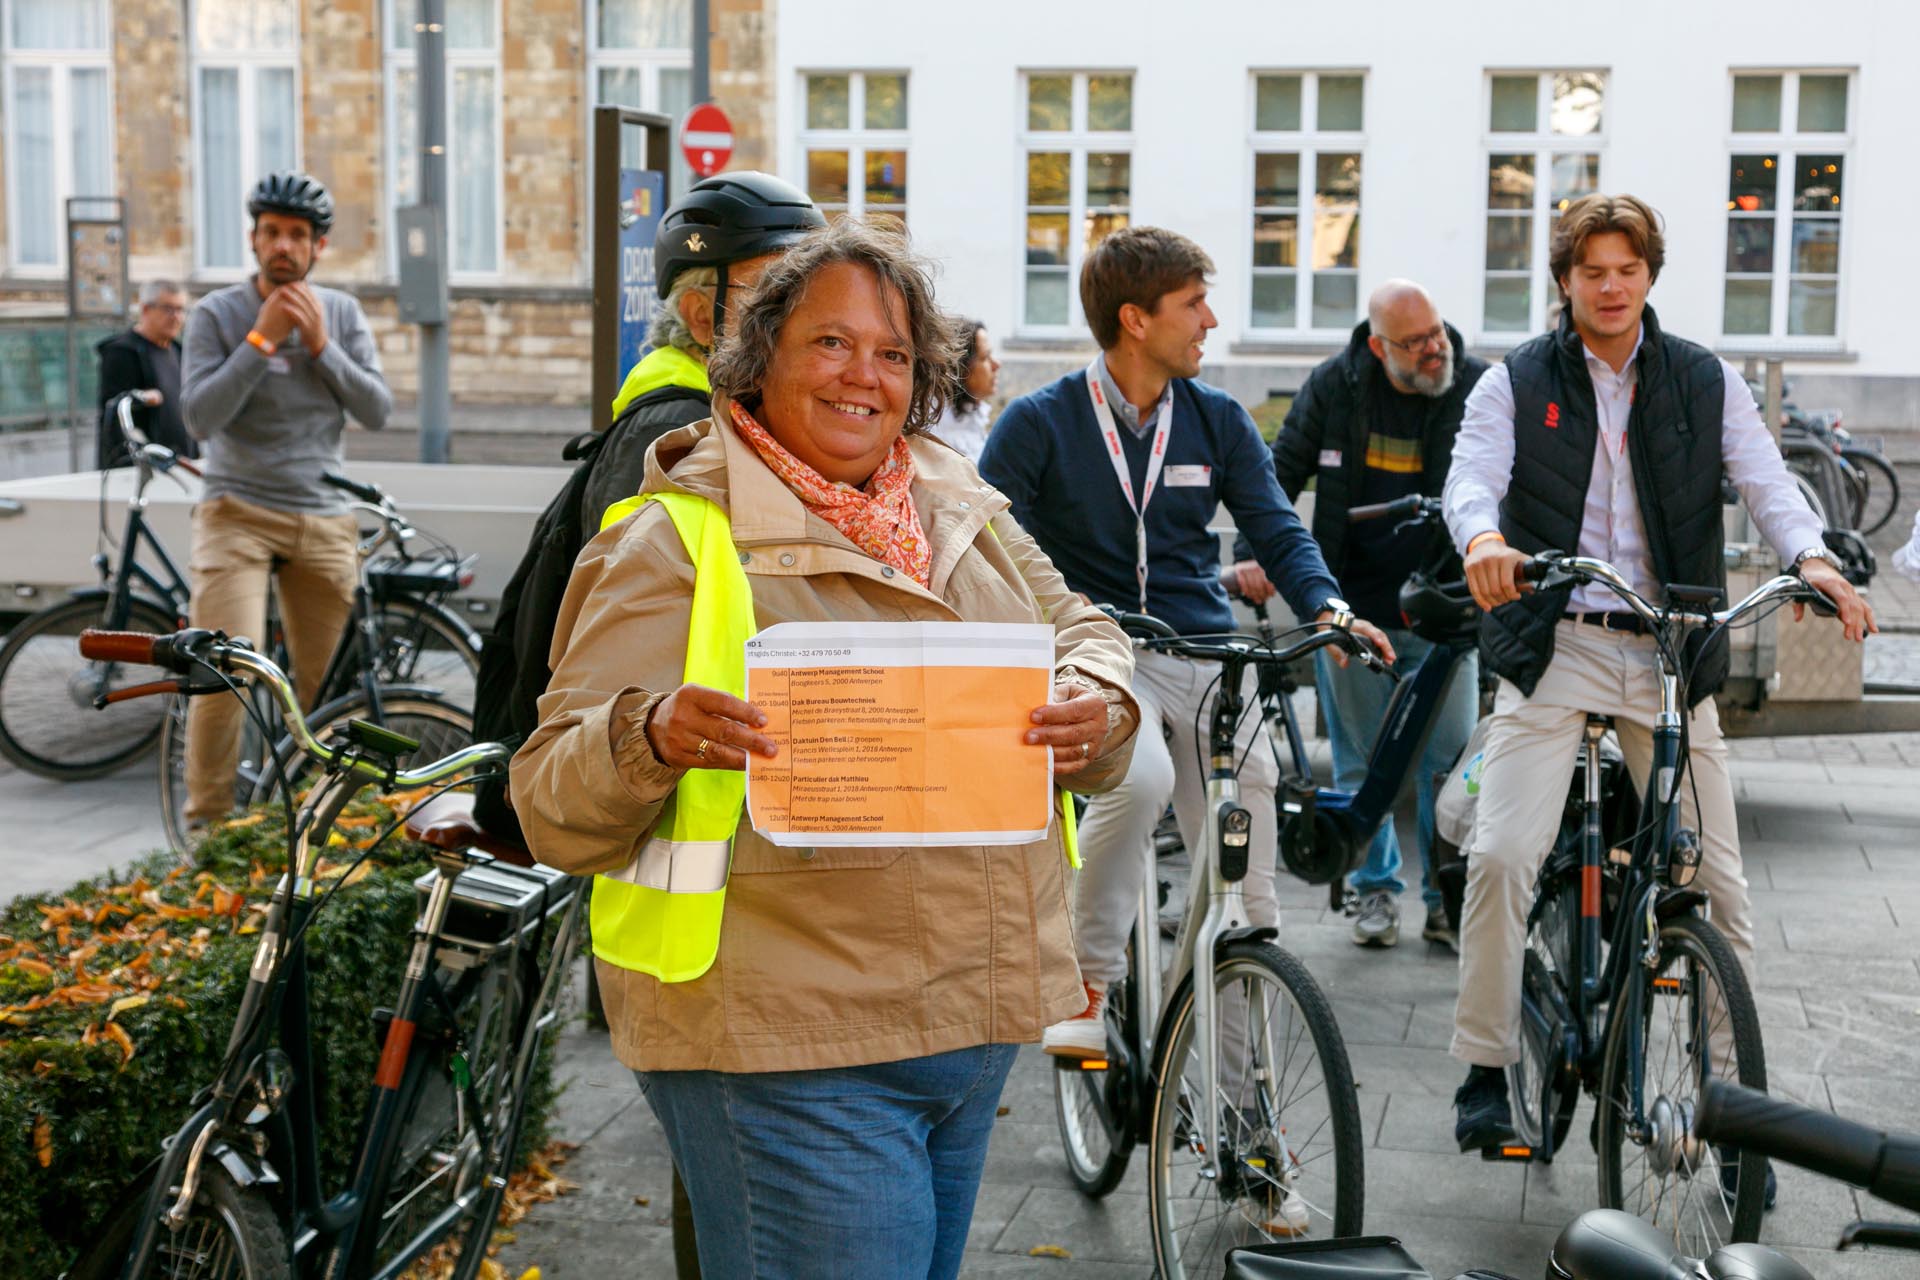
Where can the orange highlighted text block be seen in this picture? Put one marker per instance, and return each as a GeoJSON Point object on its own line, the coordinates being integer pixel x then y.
{"type": "Point", "coordinates": [900, 733]}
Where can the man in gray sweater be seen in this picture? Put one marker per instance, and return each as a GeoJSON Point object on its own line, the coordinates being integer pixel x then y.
{"type": "Point", "coordinates": [273, 368]}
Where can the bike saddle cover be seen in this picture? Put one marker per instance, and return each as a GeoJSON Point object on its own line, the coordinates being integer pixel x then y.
{"type": "Point", "coordinates": [1753, 1262]}
{"type": "Point", "coordinates": [1606, 1244]}
{"type": "Point", "coordinates": [1358, 1258]}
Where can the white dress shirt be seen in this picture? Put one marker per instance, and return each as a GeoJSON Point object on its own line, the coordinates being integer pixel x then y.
{"type": "Point", "coordinates": [1611, 527]}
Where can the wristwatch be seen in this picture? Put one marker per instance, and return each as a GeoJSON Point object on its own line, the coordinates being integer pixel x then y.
{"type": "Point", "coordinates": [1342, 612]}
{"type": "Point", "coordinates": [1812, 553]}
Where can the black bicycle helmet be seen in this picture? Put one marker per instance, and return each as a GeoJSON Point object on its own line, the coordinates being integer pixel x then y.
{"type": "Point", "coordinates": [729, 218]}
{"type": "Point", "coordinates": [295, 193]}
{"type": "Point", "coordinates": [1438, 609]}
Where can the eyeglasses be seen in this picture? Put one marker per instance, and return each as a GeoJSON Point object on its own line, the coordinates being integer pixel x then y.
{"type": "Point", "coordinates": [1435, 338]}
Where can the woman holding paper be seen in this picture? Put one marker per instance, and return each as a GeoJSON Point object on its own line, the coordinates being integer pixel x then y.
{"type": "Point", "coordinates": [827, 1074]}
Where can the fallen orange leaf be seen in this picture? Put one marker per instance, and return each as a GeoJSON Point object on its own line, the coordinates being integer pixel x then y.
{"type": "Point", "coordinates": [43, 1141]}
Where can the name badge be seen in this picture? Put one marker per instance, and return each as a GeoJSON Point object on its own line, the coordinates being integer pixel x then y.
{"type": "Point", "coordinates": [1188, 477]}
{"type": "Point", "coordinates": [1329, 457]}
{"type": "Point", "coordinates": [277, 364]}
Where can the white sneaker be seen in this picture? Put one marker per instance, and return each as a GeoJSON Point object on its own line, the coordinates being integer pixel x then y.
{"type": "Point", "coordinates": [1280, 1212]}
{"type": "Point", "coordinates": [1085, 1034]}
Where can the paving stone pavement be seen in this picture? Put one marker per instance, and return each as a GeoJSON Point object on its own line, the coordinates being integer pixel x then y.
{"type": "Point", "coordinates": [1828, 827]}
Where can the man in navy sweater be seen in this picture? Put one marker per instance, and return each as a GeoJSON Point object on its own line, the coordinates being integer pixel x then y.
{"type": "Point", "coordinates": [1116, 470]}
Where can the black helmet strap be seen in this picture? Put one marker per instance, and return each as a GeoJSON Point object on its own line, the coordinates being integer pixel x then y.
{"type": "Point", "coordinates": [719, 306]}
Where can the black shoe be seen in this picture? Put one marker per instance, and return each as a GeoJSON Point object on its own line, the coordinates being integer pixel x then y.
{"type": "Point", "coordinates": [1730, 1176]}
{"type": "Point", "coordinates": [1483, 1118]}
{"type": "Point", "coordinates": [1439, 928]}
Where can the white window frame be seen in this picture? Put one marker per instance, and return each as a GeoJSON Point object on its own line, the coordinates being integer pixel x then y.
{"type": "Point", "coordinates": [61, 63]}
{"type": "Point", "coordinates": [1077, 141]}
{"type": "Point", "coordinates": [249, 63]}
{"type": "Point", "coordinates": [1786, 144]}
{"type": "Point", "coordinates": [856, 139]}
{"type": "Point", "coordinates": [649, 63]}
{"type": "Point", "coordinates": [1307, 142]}
{"type": "Point", "coordinates": [1543, 145]}
{"type": "Point", "coordinates": [394, 60]}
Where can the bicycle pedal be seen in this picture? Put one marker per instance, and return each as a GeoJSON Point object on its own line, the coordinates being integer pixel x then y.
{"type": "Point", "coordinates": [1508, 1153]}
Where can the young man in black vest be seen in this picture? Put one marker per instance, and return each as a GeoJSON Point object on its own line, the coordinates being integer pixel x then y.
{"type": "Point", "coordinates": [1607, 437]}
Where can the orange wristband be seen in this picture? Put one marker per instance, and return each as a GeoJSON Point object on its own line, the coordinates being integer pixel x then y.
{"type": "Point", "coordinates": [266, 348]}
{"type": "Point", "coordinates": [1479, 538]}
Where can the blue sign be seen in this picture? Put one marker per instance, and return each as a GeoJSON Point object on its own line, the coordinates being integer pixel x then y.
{"type": "Point", "coordinates": [643, 199]}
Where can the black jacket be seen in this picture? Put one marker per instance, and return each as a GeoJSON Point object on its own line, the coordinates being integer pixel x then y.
{"type": "Point", "coordinates": [1325, 434]}
{"type": "Point", "coordinates": [1675, 453]}
{"type": "Point", "coordinates": [127, 364]}
{"type": "Point", "coordinates": [513, 661]}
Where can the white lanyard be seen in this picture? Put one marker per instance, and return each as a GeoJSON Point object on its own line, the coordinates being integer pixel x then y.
{"type": "Point", "coordinates": [1156, 459]}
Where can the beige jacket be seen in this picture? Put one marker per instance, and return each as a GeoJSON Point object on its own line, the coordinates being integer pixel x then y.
{"type": "Point", "coordinates": [828, 957]}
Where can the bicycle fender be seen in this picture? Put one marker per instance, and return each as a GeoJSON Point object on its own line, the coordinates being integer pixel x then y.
{"type": "Point", "coordinates": [244, 1167]}
{"type": "Point", "coordinates": [1245, 933]}
{"type": "Point", "coordinates": [1679, 902]}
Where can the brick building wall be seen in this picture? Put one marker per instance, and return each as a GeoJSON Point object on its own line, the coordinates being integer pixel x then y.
{"type": "Point", "coordinates": [524, 340]}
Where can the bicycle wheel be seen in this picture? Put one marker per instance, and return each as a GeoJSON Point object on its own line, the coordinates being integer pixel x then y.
{"type": "Point", "coordinates": [229, 1234]}
{"type": "Point", "coordinates": [1290, 1163]}
{"type": "Point", "coordinates": [421, 643]}
{"type": "Point", "coordinates": [1809, 491]}
{"type": "Point", "coordinates": [249, 769]}
{"type": "Point", "coordinates": [1536, 1086]}
{"type": "Point", "coordinates": [48, 724]}
{"type": "Point", "coordinates": [1696, 996]}
{"type": "Point", "coordinates": [456, 1122]}
{"type": "Point", "coordinates": [436, 724]}
{"type": "Point", "coordinates": [1880, 484]}
{"type": "Point", "coordinates": [1095, 1109]}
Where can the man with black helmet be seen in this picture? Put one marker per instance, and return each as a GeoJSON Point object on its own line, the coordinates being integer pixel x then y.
{"type": "Point", "coordinates": [713, 243]}
{"type": "Point", "coordinates": [273, 367]}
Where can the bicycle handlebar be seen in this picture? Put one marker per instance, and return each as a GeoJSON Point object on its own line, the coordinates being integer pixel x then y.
{"type": "Point", "coordinates": [1151, 633]}
{"type": "Point", "coordinates": [371, 494]}
{"type": "Point", "coordinates": [1553, 568]}
{"type": "Point", "coordinates": [185, 651]}
{"type": "Point", "coordinates": [1886, 1164]}
{"type": "Point", "coordinates": [1411, 506]}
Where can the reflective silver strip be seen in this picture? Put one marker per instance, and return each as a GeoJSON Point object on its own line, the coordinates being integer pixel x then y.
{"type": "Point", "coordinates": [678, 866]}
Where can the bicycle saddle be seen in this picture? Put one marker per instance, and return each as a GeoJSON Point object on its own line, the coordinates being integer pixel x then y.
{"type": "Point", "coordinates": [1606, 1244]}
{"type": "Point", "coordinates": [1361, 1258]}
{"type": "Point", "coordinates": [446, 822]}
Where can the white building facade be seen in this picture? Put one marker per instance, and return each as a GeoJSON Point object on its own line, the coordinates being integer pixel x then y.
{"type": "Point", "coordinates": [1316, 150]}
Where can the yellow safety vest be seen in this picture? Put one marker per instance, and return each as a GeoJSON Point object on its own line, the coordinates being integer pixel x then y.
{"type": "Point", "coordinates": [660, 914]}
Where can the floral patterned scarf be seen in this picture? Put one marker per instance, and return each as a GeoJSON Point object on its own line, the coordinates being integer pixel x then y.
{"type": "Point", "coordinates": [880, 519]}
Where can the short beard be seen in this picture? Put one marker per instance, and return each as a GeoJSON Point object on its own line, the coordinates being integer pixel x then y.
{"type": "Point", "coordinates": [1431, 385]}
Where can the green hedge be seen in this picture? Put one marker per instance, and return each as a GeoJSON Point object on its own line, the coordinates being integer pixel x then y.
{"type": "Point", "coordinates": [78, 1117]}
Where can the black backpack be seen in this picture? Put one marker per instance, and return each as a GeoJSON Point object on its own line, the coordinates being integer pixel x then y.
{"type": "Point", "coordinates": [513, 661]}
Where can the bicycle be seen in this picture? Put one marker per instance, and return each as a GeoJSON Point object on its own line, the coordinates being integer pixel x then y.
{"type": "Point", "coordinates": [1625, 984]}
{"type": "Point", "coordinates": [43, 679]}
{"type": "Point", "coordinates": [234, 1193]}
{"type": "Point", "coordinates": [1238, 1079]}
{"type": "Point", "coordinates": [403, 660]}
{"type": "Point", "coordinates": [1605, 1244]}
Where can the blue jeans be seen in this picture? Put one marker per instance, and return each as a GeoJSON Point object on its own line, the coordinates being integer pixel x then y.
{"type": "Point", "coordinates": [1354, 701]}
{"type": "Point", "coordinates": [850, 1173]}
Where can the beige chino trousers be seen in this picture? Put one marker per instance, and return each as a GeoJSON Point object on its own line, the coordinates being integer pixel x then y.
{"type": "Point", "coordinates": [1531, 746]}
{"type": "Point", "coordinates": [237, 547]}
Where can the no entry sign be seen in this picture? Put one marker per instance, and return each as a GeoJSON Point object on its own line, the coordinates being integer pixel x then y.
{"type": "Point", "coordinates": [706, 139]}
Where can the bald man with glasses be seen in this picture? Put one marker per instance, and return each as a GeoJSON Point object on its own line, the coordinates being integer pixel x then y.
{"type": "Point", "coordinates": [1374, 423]}
{"type": "Point", "coordinates": [146, 358]}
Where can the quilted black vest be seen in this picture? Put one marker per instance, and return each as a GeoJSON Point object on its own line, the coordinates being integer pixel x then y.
{"type": "Point", "coordinates": [1673, 446]}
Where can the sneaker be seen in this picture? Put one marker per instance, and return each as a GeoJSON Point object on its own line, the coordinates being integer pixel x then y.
{"type": "Point", "coordinates": [1265, 1200]}
{"type": "Point", "coordinates": [1378, 922]}
{"type": "Point", "coordinates": [1279, 1211]}
{"type": "Point", "coordinates": [1085, 1034]}
{"type": "Point", "coordinates": [1439, 928]}
{"type": "Point", "coordinates": [1730, 1176]}
{"type": "Point", "coordinates": [1482, 1117]}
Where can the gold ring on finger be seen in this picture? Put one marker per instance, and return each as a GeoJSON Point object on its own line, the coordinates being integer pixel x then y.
{"type": "Point", "coordinates": [701, 750]}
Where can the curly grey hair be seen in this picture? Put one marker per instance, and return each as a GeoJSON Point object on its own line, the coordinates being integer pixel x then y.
{"type": "Point", "coordinates": [739, 365]}
{"type": "Point", "coordinates": [669, 327]}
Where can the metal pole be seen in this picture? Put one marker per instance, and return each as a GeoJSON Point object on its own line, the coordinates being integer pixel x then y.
{"type": "Point", "coordinates": [436, 394]}
{"type": "Point", "coordinates": [702, 54]}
